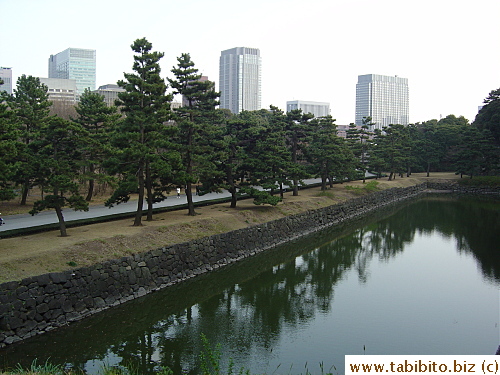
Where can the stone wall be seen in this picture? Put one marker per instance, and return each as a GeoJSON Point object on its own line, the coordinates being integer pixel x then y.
{"type": "Point", "coordinates": [42, 303]}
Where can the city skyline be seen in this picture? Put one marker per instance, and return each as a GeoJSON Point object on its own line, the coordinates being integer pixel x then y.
{"type": "Point", "coordinates": [314, 51]}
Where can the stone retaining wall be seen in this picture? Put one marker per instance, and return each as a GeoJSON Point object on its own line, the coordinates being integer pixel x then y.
{"type": "Point", "coordinates": [42, 303]}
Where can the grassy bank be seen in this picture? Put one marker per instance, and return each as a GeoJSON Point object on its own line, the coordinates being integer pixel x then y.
{"type": "Point", "coordinates": [45, 252]}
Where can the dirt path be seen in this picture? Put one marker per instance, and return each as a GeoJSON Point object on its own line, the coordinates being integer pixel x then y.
{"type": "Point", "coordinates": [40, 253]}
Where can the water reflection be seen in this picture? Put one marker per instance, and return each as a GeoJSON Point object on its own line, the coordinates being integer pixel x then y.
{"type": "Point", "coordinates": [255, 309]}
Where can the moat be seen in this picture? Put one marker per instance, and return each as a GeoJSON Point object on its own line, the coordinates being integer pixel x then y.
{"type": "Point", "coordinates": [419, 278]}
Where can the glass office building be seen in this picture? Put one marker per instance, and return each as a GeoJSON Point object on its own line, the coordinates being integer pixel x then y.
{"type": "Point", "coordinates": [75, 63]}
{"type": "Point", "coordinates": [383, 98]}
{"type": "Point", "coordinates": [240, 79]}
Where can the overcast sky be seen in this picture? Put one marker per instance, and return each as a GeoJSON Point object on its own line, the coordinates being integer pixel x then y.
{"type": "Point", "coordinates": [311, 50]}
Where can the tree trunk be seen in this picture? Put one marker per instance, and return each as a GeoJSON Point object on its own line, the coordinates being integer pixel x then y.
{"type": "Point", "coordinates": [62, 224]}
{"type": "Point", "coordinates": [149, 189]}
{"type": "Point", "coordinates": [90, 192]}
{"type": "Point", "coordinates": [233, 198]}
{"type": "Point", "coordinates": [428, 169]}
{"type": "Point", "coordinates": [24, 194]}
{"type": "Point", "coordinates": [294, 160]}
{"type": "Point", "coordinates": [323, 181]}
{"type": "Point", "coordinates": [140, 201]}
{"type": "Point", "coordinates": [189, 171]}
{"type": "Point", "coordinates": [189, 195]}
{"type": "Point", "coordinates": [363, 163]}
{"type": "Point", "coordinates": [230, 181]}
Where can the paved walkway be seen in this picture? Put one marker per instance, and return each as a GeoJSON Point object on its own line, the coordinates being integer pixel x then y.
{"type": "Point", "coordinates": [25, 221]}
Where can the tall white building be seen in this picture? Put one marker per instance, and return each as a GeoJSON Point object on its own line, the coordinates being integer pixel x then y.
{"type": "Point", "coordinates": [383, 98]}
{"type": "Point", "coordinates": [318, 109]}
{"type": "Point", "coordinates": [75, 63]}
{"type": "Point", "coordinates": [240, 79]}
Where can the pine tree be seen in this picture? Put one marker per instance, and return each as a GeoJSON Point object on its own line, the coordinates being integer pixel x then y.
{"type": "Point", "coordinates": [30, 103]}
{"type": "Point", "coordinates": [59, 149]}
{"type": "Point", "coordinates": [329, 155]}
{"type": "Point", "coordinates": [97, 118]}
{"type": "Point", "coordinates": [268, 158]}
{"type": "Point", "coordinates": [142, 134]}
{"type": "Point", "coordinates": [298, 130]}
{"type": "Point", "coordinates": [196, 123]}
{"type": "Point", "coordinates": [359, 142]}
{"type": "Point", "coordinates": [10, 148]}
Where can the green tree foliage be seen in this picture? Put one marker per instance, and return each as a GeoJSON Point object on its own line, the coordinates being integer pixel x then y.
{"type": "Point", "coordinates": [268, 158]}
{"type": "Point", "coordinates": [30, 103]}
{"type": "Point", "coordinates": [298, 130]}
{"type": "Point", "coordinates": [429, 150]}
{"type": "Point", "coordinates": [10, 148]}
{"type": "Point", "coordinates": [230, 150]}
{"type": "Point", "coordinates": [141, 139]}
{"type": "Point", "coordinates": [489, 116]}
{"type": "Point", "coordinates": [59, 150]}
{"type": "Point", "coordinates": [359, 142]}
{"type": "Point", "coordinates": [329, 155]}
{"type": "Point", "coordinates": [477, 153]}
{"type": "Point", "coordinates": [196, 122]}
{"type": "Point", "coordinates": [391, 151]}
{"type": "Point", "coordinates": [97, 119]}
{"type": "Point", "coordinates": [244, 134]}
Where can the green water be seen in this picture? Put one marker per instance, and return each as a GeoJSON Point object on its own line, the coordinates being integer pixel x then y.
{"type": "Point", "coordinates": [418, 278]}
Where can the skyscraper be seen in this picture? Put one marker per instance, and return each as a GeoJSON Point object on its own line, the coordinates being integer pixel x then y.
{"type": "Point", "coordinates": [75, 63]}
{"type": "Point", "coordinates": [240, 79]}
{"type": "Point", "coordinates": [383, 98]}
{"type": "Point", "coordinates": [6, 76]}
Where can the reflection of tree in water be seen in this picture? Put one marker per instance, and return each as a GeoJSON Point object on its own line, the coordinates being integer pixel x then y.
{"type": "Point", "coordinates": [251, 315]}
{"type": "Point", "coordinates": [473, 222]}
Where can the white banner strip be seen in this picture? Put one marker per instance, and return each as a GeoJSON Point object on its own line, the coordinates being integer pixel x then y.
{"type": "Point", "coordinates": [477, 364]}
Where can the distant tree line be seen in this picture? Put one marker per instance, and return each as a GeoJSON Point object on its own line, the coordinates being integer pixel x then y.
{"type": "Point", "coordinates": [144, 146]}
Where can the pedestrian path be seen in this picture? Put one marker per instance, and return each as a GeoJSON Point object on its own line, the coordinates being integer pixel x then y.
{"type": "Point", "coordinates": [14, 223]}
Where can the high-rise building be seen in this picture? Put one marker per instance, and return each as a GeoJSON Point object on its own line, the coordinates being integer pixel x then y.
{"type": "Point", "coordinates": [318, 109]}
{"type": "Point", "coordinates": [240, 79]}
{"type": "Point", "coordinates": [6, 76]}
{"type": "Point", "coordinates": [75, 63]}
{"type": "Point", "coordinates": [383, 98]}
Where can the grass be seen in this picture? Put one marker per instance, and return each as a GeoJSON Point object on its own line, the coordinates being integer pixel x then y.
{"type": "Point", "coordinates": [326, 193]}
{"type": "Point", "coordinates": [210, 364]}
{"type": "Point", "coordinates": [369, 187]}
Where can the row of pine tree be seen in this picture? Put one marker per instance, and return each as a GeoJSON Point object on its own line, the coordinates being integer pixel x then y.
{"type": "Point", "coordinates": [142, 146]}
